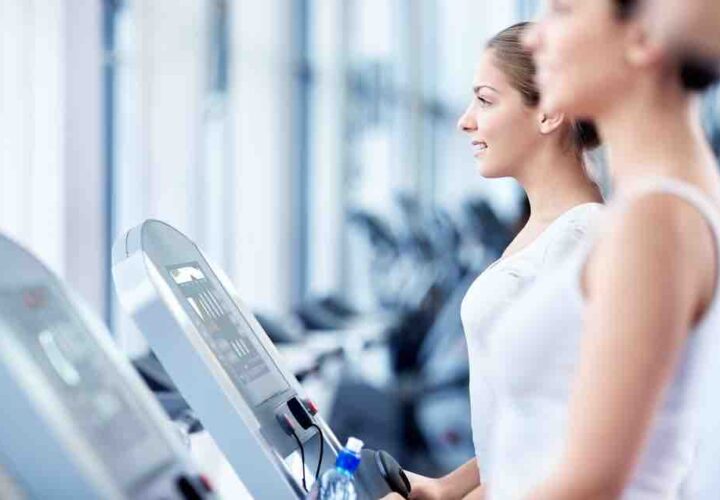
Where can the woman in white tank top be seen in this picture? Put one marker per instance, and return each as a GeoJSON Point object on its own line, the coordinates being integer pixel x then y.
{"type": "Point", "coordinates": [603, 371]}
{"type": "Point", "coordinates": [511, 137]}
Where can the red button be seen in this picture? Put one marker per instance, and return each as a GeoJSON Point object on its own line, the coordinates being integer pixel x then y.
{"type": "Point", "coordinates": [206, 483]}
{"type": "Point", "coordinates": [311, 407]}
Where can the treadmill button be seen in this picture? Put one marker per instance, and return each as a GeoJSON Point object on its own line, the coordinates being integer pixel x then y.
{"type": "Point", "coordinates": [310, 406]}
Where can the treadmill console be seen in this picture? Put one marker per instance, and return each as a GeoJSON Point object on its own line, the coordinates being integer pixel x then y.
{"type": "Point", "coordinates": [229, 336]}
{"type": "Point", "coordinates": [222, 362]}
{"type": "Point", "coordinates": [81, 423]}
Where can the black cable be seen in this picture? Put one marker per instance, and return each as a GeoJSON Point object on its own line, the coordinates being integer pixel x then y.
{"type": "Point", "coordinates": [322, 450]}
{"type": "Point", "coordinates": [302, 456]}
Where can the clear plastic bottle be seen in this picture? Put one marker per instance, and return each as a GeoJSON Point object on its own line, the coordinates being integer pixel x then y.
{"type": "Point", "coordinates": [339, 483]}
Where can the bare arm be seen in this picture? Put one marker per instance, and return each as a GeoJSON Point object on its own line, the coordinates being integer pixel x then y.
{"type": "Point", "coordinates": [462, 480]}
{"type": "Point", "coordinates": [455, 485]}
{"type": "Point", "coordinates": [645, 287]}
{"type": "Point", "coordinates": [476, 494]}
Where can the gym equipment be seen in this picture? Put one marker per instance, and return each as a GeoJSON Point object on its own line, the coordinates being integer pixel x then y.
{"type": "Point", "coordinates": [77, 421]}
{"type": "Point", "coordinates": [226, 367]}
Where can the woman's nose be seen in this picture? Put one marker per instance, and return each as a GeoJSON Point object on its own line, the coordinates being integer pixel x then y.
{"type": "Point", "coordinates": [466, 123]}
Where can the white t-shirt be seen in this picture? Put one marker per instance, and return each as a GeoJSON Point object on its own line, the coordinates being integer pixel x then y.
{"type": "Point", "coordinates": [498, 286]}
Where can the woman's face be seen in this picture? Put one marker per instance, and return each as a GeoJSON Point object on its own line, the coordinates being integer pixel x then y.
{"type": "Point", "coordinates": [503, 130]}
{"type": "Point", "coordinates": [579, 49]}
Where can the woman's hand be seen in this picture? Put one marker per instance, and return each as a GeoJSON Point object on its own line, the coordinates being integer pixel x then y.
{"type": "Point", "coordinates": [426, 488]}
{"type": "Point", "coordinates": [454, 486]}
{"type": "Point", "coordinates": [423, 488]}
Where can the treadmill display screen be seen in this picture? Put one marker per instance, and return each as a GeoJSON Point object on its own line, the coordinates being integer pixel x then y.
{"type": "Point", "coordinates": [229, 336]}
{"type": "Point", "coordinates": [80, 373]}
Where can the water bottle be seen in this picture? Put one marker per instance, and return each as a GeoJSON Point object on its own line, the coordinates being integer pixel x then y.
{"type": "Point", "coordinates": [339, 483]}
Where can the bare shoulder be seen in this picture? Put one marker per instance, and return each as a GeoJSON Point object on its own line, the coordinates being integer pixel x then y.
{"type": "Point", "coordinates": [661, 217]}
{"type": "Point", "coordinates": [657, 240]}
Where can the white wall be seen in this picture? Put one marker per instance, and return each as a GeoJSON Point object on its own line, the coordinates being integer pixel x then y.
{"type": "Point", "coordinates": [161, 50]}
{"type": "Point", "coordinates": [262, 133]}
{"type": "Point", "coordinates": [51, 170]}
{"type": "Point", "coordinates": [327, 146]}
{"type": "Point", "coordinates": [86, 255]}
{"type": "Point", "coordinates": [31, 126]}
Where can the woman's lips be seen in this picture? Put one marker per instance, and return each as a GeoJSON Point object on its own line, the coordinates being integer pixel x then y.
{"type": "Point", "coordinates": [479, 147]}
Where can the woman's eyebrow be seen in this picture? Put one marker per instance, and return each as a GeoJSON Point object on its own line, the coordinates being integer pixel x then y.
{"type": "Point", "coordinates": [478, 88]}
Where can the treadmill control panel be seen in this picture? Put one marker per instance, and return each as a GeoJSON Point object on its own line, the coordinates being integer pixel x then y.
{"type": "Point", "coordinates": [228, 335]}
{"type": "Point", "coordinates": [75, 366]}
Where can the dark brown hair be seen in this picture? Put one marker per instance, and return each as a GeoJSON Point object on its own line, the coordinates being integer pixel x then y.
{"type": "Point", "coordinates": [517, 63]}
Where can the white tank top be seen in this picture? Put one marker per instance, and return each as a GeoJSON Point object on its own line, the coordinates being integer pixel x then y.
{"type": "Point", "coordinates": [495, 289]}
{"type": "Point", "coordinates": [533, 354]}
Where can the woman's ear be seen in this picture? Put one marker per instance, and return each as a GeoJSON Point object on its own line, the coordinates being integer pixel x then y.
{"type": "Point", "coordinates": [643, 49]}
{"type": "Point", "coordinates": [550, 122]}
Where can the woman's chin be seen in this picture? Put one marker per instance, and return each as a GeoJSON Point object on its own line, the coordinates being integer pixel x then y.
{"type": "Point", "coordinates": [488, 172]}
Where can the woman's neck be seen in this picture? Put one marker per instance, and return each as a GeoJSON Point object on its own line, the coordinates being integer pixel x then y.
{"type": "Point", "coordinates": [555, 181]}
{"type": "Point", "coordinates": [656, 132]}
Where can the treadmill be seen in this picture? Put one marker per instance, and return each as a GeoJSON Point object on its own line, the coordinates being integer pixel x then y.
{"type": "Point", "coordinates": [77, 422]}
{"type": "Point", "coordinates": [225, 366]}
